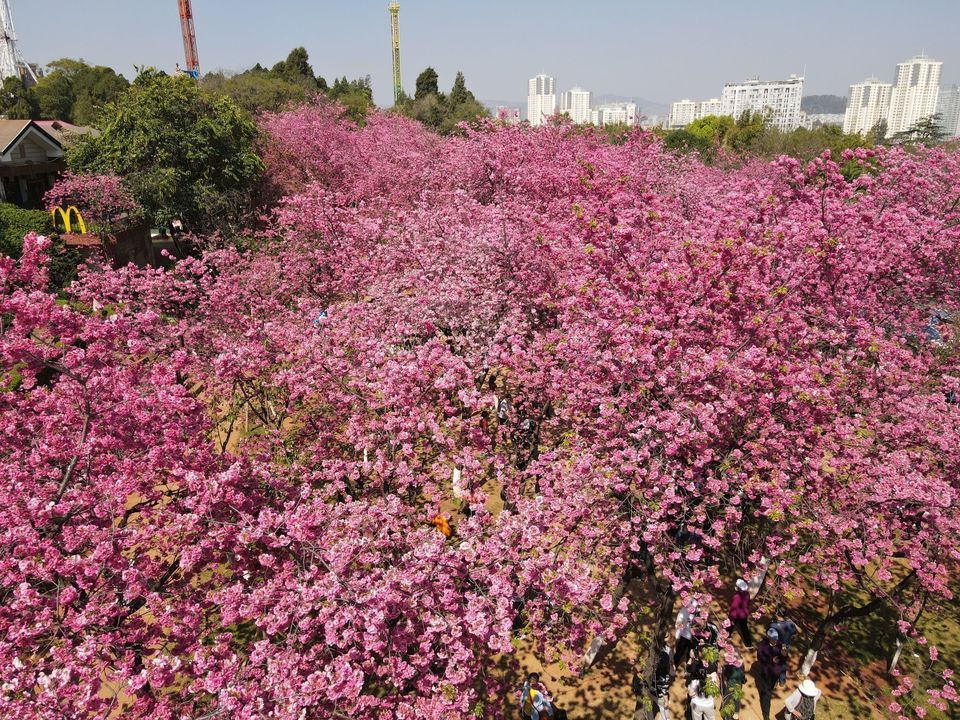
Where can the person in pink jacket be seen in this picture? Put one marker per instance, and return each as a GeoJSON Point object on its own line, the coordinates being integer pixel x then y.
{"type": "Point", "coordinates": [740, 611]}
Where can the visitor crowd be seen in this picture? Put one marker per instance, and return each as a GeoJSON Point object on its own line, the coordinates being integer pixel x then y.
{"type": "Point", "coordinates": [712, 687]}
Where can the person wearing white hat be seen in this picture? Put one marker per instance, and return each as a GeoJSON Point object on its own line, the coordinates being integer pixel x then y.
{"type": "Point", "coordinates": [802, 704]}
{"type": "Point", "coordinates": [740, 612]}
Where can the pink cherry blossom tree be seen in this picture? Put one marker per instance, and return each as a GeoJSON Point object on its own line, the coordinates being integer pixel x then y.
{"type": "Point", "coordinates": [467, 389]}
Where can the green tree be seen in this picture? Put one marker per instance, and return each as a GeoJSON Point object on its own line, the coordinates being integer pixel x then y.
{"type": "Point", "coordinates": [428, 83]}
{"type": "Point", "coordinates": [928, 131]}
{"type": "Point", "coordinates": [15, 223]}
{"type": "Point", "coordinates": [461, 106]}
{"type": "Point", "coordinates": [440, 112]}
{"type": "Point", "coordinates": [713, 129]}
{"type": "Point", "coordinates": [16, 102]}
{"type": "Point", "coordinates": [93, 87]}
{"type": "Point", "coordinates": [296, 69]}
{"type": "Point", "coordinates": [684, 140]}
{"type": "Point", "coordinates": [356, 96]}
{"type": "Point", "coordinates": [75, 92]}
{"type": "Point", "coordinates": [255, 91]}
{"type": "Point", "coordinates": [55, 97]}
{"type": "Point", "coordinates": [182, 152]}
{"type": "Point", "coordinates": [459, 94]}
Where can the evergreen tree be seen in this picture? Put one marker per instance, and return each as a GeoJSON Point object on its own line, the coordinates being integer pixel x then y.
{"type": "Point", "coordinates": [427, 84]}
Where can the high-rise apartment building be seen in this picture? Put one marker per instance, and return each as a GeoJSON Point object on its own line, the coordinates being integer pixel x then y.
{"type": "Point", "coordinates": [780, 99]}
{"type": "Point", "coordinates": [868, 104]}
{"type": "Point", "coordinates": [713, 106]}
{"type": "Point", "coordinates": [576, 103]}
{"type": "Point", "coordinates": [948, 108]}
{"type": "Point", "coordinates": [615, 114]}
{"type": "Point", "coordinates": [684, 112]}
{"type": "Point", "coordinates": [915, 93]}
{"type": "Point", "coordinates": [541, 99]}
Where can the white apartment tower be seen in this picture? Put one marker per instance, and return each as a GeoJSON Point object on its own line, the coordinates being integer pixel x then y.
{"type": "Point", "coordinates": [713, 106]}
{"type": "Point", "coordinates": [576, 104]}
{"type": "Point", "coordinates": [541, 99]}
{"type": "Point", "coordinates": [778, 98]}
{"type": "Point", "coordinates": [683, 112]}
{"type": "Point", "coordinates": [948, 108]}
{"type": "Point", "coordinates": [615, 114]}
{"type": "Point", "coordinates": [869, 103]}
{"type": "Point", "coordinates": [915, 93]}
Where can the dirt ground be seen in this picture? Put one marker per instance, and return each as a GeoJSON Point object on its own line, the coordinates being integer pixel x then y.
{"type": "Point", "coordinates": [605, 692]}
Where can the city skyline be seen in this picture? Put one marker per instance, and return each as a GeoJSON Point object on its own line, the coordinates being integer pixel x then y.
{"type": "Point", "coordinates": [661, 53]}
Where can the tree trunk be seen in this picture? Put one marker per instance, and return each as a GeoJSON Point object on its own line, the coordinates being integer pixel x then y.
{"type": "Point", "coordinates": [663, 624]}
{"type": "Point", "coordinates": [598, 643]}
{"type": "Point", "coordinates": [902, 637]}
{"type": "Point", "coordinates": [755, 582]}
{"type": "Point", "coordinates": [846, 613]}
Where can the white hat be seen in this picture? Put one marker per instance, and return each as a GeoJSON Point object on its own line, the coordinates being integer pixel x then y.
{"type": "Point", "coordinates": [742, 584]}
{"type": "Point", "coordinates": [809, 688]}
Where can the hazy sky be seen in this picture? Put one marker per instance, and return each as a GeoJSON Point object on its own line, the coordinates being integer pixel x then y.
{"type": "Point", "coordinates": [663, 50]}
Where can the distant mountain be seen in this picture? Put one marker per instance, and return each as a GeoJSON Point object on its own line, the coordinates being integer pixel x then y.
{"type": "Point", "coordinates": [824, 104]}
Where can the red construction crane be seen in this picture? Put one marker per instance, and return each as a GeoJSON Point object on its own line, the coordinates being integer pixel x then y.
{"type": "Point", "coordinates": [189, 39]}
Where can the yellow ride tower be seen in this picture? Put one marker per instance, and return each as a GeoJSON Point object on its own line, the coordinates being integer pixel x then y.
{"type": "Point", "coordinates": [394, 8]}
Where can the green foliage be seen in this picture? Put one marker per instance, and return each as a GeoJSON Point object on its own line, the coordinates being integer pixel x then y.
{"type": "Point", "coordinates": [287, 83]}
{"type": "Point", "coordinates": [927, 131]}
{"type": "Point", "coordinates": [428, 83]}
{"type": "Point", "coordinates": [182, 152]}
{"type": "Point", "coordinates": [296, 70]}
{"type": "Point", "coordinates": [15, 223]}
{"type": "Point", "coordinates": [16, 102]}
{"type": "Point", "coordinates": [255, 91]}
{"type": "Point", "coordinates": [806, 144]}
{"type": "Point", "coordinates": [684, 140]}
{"type": "Point", "coordinates": [55, 97]}
{"type": "Point", "coordinates": [752, 134]}
{"type": "Point", "coordinates": [355, 95]}
{"type": "Point", "coordinates": [76, 92]}
{"type": "Point", "coordinates": [440, 112]}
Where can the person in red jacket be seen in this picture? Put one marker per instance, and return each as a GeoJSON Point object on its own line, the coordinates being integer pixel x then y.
{"type": "Point", "coordinates": [740, 611]}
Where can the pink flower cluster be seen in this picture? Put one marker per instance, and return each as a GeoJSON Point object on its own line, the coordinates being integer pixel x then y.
{"type": "Point", "coordinates": [595, 362]}
{"type": "Point", "coordinates": [102, 200]}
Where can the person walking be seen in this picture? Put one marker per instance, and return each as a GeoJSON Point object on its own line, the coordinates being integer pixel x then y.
{"type": "Point", "coordinates": [786, 631]}
{"type": "Point", "coordinates": [663, 675]}
{"type": "Point", "coordinates": [802, 703]}
{"type": "Point", "coordinates": [702, 706]}
{"type": "Point", "coordinates": [772, 665]}
{"type": "Point", "coordinates": [684, 636]}
{"type": "Point", "coordinates": [734, 678]}
{"type": "Point", "coordinates": [534, 702]}
{"type": "Point", "coordinates": [740, 612]}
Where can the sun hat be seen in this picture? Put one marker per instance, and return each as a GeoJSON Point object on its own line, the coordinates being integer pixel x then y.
{"type": "Point", "coordinates": [809, 688]}
{"type": "Point", "coordinates": [773, 634]}
{"type": "Point", "coordinates": [742, 584]}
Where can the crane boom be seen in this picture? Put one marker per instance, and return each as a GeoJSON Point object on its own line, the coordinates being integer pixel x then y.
{"type": "Point", "coordinates": [189, 39]}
